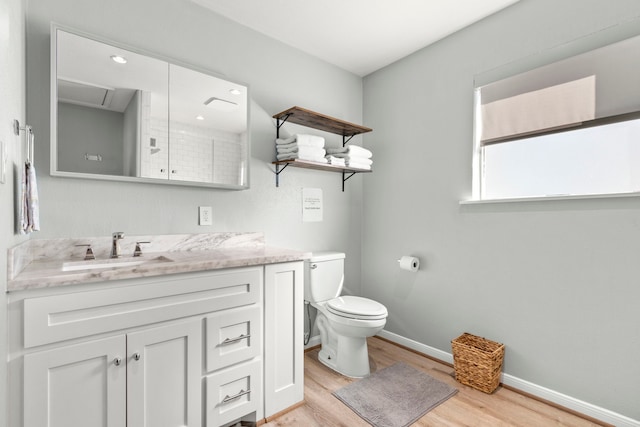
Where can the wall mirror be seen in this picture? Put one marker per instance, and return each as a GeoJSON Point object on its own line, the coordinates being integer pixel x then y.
{"type": "Point", "coordinates": [123, 115]}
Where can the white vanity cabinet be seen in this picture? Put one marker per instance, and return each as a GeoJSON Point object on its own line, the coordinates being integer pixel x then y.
{"type": "Point", "coordinates": [76, 385]}
{"type": "Point", "coordinates": [164, 375]}
{"type": "Point", "coordinates": [146, 378]}
{"type": "Point", "coordinates": [191, 349]}
{"type": "Point", "coordinates": [283, 336]}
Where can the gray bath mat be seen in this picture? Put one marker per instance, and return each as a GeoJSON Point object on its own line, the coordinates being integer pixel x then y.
{"type": "Point", "coordinates": [395, 396]}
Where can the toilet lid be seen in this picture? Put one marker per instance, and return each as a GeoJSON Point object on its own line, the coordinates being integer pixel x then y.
{"type": "Point", "coordinates": [357, 308]}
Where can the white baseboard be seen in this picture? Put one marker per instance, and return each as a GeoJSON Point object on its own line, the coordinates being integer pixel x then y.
{"type": "Point", "coordinates": [555, 397]}
{"type": "Point", "coordinates": [313, 341]}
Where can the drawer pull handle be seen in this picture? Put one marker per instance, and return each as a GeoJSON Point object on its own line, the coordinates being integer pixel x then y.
{"type": "Point", "coordinates": [228, 398]}
{"type": "Point", "coordinates": [136, 356]}
{"type": "Point", "coordinates": [117, 361]}
{"type": "Point", "coordinates": [236, 339]}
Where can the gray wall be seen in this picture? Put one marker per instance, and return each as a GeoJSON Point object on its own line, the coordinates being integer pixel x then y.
{"type": "Point", "coordinates": [12, 106]}
{"type": "Point", "coordinates": [557, 281]}
{"type": "Point", "coordinates": [85, 130]}
{"type": "Point", "coordinates": [279, 77]}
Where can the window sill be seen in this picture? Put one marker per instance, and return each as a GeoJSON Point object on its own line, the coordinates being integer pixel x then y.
{"type": "Point", "coordinates": [551, 198]}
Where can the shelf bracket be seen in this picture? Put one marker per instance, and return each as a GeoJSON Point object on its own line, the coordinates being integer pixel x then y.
{"type": "Point", "coordinates": [280, 122]}
{"type": "Point", "coordinates": [344, 179]}
{"type": "Point", "coordinates": [346, 139]}
{"type": "Point", "coordinates": [278, 171]}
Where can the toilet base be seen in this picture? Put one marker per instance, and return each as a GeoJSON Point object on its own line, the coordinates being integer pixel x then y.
{"type": "Point", "coordinates": [354, 363]}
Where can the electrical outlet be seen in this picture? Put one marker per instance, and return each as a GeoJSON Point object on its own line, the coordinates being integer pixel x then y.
{"type": "Point", "coordinates": [205, 215]}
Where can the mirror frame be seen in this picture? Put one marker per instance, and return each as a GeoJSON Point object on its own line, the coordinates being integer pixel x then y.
{"type": "Point", "coordinates": [53, 145]}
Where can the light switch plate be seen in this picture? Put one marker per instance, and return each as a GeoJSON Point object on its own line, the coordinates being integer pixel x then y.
{"type": "Point", "coordinates": [205, 215]}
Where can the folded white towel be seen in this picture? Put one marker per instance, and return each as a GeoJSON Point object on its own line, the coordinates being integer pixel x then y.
{"type": "Point", "coordinates": [355, 159]}
{"type": "Point", "coordinates": [303, 140]}
{"type": "Point", "coordinates": [359, 165]}
{"type": "Point", "coordinates": [293, 156]}
{"type": "Point", "coordinates": [306, 151]}
{"type": "Point", "coordinates": [337, 161]}
{"type": "Point", "coordinates": [286, 147]}
{"type": "Point", "coordinates": [354, 150]}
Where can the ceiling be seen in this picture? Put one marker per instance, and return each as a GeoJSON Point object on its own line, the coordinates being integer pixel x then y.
{"type": "Point", "coordinates": [360, 36]}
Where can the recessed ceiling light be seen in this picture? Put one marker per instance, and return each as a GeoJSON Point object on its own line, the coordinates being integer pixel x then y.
{"type": "Point", "coordinates": [119, 59]}
{"type": "Point", "coordinates": [199, 118]}
{"type": "Point", "coordinates": [235, 91]}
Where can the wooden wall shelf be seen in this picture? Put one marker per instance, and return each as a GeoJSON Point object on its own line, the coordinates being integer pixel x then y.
{"type": "Point", "coordinates": [304, 117]}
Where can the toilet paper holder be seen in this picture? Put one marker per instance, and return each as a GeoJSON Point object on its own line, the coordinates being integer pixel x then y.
{"type": "Point", "coordinates": [409, 263]}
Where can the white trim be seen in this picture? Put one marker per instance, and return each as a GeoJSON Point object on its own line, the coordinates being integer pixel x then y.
{"type": "Point", "coordinates": [415, 345]}
{"type": "Point", "coordinates": [538, 391]}
{"type": "Point", "coordinates": [634, 194]}
{"type": "Point", "coordinates": [313, 341]}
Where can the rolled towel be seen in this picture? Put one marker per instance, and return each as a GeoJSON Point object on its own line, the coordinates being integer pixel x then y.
{"type": "Point", "coordinates": [293, 156]}
{"type": "Point", "coordinates": [303, 140]}
{"type": "Point", "coordinates": [306, 151]}
{"type": "Point", "coordinates": [355, 159]}
{"type": "Point", "coordinates": [337, 161]}
{"type": "Point", "coordinates": [354, 150]}
{"type": "Point", "coordinates": [359, 165]}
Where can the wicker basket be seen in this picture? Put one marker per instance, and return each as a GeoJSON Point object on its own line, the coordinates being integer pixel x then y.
{"type": "Point", "coordinates": [477, 362]}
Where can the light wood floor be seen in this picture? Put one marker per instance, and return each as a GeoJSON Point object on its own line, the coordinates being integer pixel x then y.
{"type": "Point", "coordinates": [468, 407]}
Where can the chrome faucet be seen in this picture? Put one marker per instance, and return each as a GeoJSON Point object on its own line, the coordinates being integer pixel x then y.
{"type": "Point", "coordinates": [115, 244]}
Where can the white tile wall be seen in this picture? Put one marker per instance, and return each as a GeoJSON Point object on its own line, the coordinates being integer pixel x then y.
{"type": "Point", "coordinates": [193, 153]}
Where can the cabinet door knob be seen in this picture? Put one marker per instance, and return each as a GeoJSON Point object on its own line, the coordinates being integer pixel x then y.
{"type": "Point", "coordinates": [136, 356]}
{"type": "Point", "coordinates": [117, 361]}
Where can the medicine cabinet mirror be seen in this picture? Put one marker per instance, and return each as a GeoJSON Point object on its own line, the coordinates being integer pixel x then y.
{"type": "Point", "coordinates": [122, 115]}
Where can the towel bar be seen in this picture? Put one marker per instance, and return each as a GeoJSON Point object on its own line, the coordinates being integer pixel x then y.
{"type": "Point", "coordinates": [30, 139]}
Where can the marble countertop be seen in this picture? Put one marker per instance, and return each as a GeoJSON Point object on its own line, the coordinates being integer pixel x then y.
{"type": "Point", "coordinates": [46, 272]}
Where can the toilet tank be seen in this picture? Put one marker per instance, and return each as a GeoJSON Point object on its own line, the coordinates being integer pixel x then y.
{"type": "Point", "coordinates": [324, 276]}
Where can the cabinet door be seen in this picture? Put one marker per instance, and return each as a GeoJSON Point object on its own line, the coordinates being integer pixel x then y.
{"type": "Point", "coordinates": [283, 349]}
{"type": "Point", "coordinates": [80, 385]}
{"type": "Point", "coordinates": [164, 376]}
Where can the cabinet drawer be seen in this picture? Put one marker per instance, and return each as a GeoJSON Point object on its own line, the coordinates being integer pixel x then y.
{"type": "Point", "coordinates": [233, 393]}
{"type": "Point", "coordinates": [137, 302]}
{"type": "Point", "coordinates": [233, 336]}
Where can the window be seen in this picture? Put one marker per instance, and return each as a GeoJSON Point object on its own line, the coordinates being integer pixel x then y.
{"type": "Point", "coordinates": [564, 129]}
{"type": "Point", "coordinates": [603, 159]}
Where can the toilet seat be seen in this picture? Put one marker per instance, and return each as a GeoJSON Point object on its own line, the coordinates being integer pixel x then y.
{"type": "Point", "coordinates": [357, 308]}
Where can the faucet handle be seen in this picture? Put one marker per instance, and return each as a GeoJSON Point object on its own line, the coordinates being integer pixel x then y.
{"type": "Point", "coordinates": [89, 253]}
{"type": "Point", "coordinates": [138, 250]}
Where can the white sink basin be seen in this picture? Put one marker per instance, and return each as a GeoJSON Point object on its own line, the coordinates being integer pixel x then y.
{"type": "Point", "coordinates": [112, 263]}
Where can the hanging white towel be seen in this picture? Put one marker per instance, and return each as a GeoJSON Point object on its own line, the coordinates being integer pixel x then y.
{"type": "Point", "coordinates": [29, 203]}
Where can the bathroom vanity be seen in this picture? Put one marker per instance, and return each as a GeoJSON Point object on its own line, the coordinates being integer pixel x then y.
{"type": "Point", "coordinates": [204, 333]}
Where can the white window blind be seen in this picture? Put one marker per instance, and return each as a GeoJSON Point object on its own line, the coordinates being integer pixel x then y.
{"type": "Point", "coordinates": [554, 107]}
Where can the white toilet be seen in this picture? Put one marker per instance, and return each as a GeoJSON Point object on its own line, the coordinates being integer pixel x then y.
{"type": "Point", "coordinates": [344, 322]}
